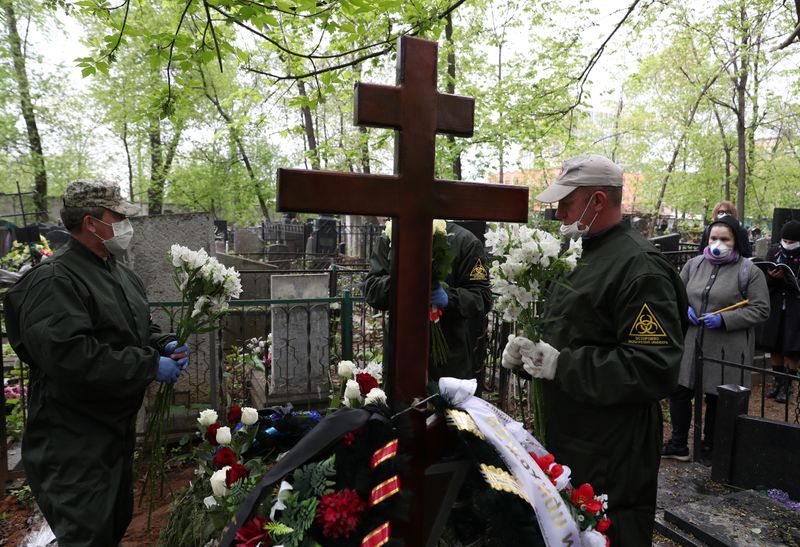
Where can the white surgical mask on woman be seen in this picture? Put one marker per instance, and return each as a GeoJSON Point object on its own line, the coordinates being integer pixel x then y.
{"type": "Point", "coordinates": [719, 249]}
{"type": "Point", "coordinates": [790, 246]}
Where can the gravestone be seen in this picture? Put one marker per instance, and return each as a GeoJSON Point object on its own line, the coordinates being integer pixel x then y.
{"type": "Point", "coordinates": [761, 247]}
{"type": "Point", "coordinates": [300, 340]}
{"type": "Point", "coordinates": [247, 241]}
{"type": "Point", "coordinates": [147, 256]}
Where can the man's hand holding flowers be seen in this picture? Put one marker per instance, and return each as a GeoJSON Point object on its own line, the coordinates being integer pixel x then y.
{"type": "Point", "coordinates": [539, 359]}
{"type": "Point", "coordinates": [179, 354]}
{"type": "Point", "coordinates": [439, 297]}
{"type": "Point", "coordinates": [168, 370]}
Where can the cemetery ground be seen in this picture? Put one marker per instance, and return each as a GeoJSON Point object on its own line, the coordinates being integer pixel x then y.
{"type": "Point", "coordinates": [19, 515]}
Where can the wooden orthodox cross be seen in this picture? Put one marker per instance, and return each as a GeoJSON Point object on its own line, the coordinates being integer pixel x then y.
{"type": "Point", "coordinates": [414, 198]}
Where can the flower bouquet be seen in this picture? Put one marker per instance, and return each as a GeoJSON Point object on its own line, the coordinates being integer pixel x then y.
{"type": "Point", "coordinates": [359, 386]}
{"type": "Point", "coordinates": [441, 265]}
{"type": "Point", "coordinates": [205, 286]}
{"type": "Point", "coordinates": [525, 264]}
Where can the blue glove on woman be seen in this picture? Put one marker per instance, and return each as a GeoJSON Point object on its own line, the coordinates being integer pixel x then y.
{"type": "Point", "coordinates": [168, 370]}
{"type": "Point", "coordinates": [693, 316]}
{"type": "Point", "coordinates": [713, 321]}
{"type": "Point", "coordinates": [171, 349]}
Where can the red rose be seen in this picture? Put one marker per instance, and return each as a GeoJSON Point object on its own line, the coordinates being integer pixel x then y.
{"type": "Point", "coordinates": [583, 494]}
{"type": "Point", "coordinates": [338, 513]}
{"type": "Point", "coordinates": [366, 382]}
{"type": "Point", "coordinates": [235, 415]}
{"type": "Point", "coordinates": [252, 533]}
{"type": "Point", "coordinates": [211, 434]}
{"type": "Point", "coordinates": [225, 456]}
{"type": "Point", "coordinates": [603, 525]}
{"type": "Point", "coordinates": [236, 472]}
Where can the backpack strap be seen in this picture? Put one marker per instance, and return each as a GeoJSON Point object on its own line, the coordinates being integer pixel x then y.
{"type": "Point", "coordinates": [744, 276]}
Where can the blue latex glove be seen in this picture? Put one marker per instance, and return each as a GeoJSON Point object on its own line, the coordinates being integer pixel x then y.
{"type": "Point", "coordinates": [171, 349]}
{"type": "Point", "coordinates": [168, 370]}
{"type": "Point", "coordinates": [713, 321]}
{"type": "Point", "coordinates": [439, 298]}
{"type": "Point", "coordinates": [693, 316]}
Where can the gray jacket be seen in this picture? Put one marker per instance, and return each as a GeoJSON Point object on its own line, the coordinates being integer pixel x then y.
{"type": "Point", "coordinates": [712, 288]}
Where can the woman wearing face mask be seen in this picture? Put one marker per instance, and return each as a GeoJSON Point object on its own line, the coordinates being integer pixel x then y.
{"type": "Point", "coordinates": [726, 209]}
{"type": "Point", "coordinates": [780, 335]}
{"type": "Point", "coordinates": [718, 278]}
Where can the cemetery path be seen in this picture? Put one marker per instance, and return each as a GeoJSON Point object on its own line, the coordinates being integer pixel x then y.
{"type": "Point", "coordinates": [19, 518]}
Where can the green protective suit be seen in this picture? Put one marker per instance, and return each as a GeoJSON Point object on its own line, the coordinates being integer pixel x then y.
{"type": "Point", "coordinates": [83, 327]}
{"type": "Point", "coordinates": [619, 326]}
{"type": "Point", "coordinates": [468, 291]}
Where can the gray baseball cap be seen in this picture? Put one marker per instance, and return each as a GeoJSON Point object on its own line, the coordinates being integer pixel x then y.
{"type": "Point", "coordinates": [585, 170]}
{"type": "Point", "coordinates": [98, 193]}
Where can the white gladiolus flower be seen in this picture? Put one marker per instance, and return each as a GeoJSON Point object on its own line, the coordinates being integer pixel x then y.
{"type": "Point", "coordinates": [217, 481]}
{"type": "Point", "coordinates": [440, 226]}
{"type": "Point", "coordinates": [496, 240]}
{"type": "Point", "coordinates": [375, 369]}
{"type": "Point", "coordinates": [224, 436]}
{"type": "Point", "coordinates": [375, 396]}
{"type": "Point", "coordinates": [177, 253]}
{"type": "Point", "coordinates": [347, 369]}
{"type": "Point", "coordinates": [200, 305]}
{"type": "Point", "coordinates": [232, 284]}
{"type": "Point", "coordinates": [207, 417]}
{"type": "Point", "coordinates": [280, 500]}
{"type": "Point", "coordinates": [249, 415]}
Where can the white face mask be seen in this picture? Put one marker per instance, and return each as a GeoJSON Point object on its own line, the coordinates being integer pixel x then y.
{"type": "Point", "coordinates": [719, 249]}
{"type": "Point", "coordinates": [722, 215]}
{"type": "Point", "coordinates": [574, 230]}
{"type": "Point", "coordinates": [790, 246]}
{"type": "Point", "coordinates": [123, 232]}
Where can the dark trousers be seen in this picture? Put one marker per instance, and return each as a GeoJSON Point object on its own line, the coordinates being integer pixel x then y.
{"type": "Point", "coordinates": [680, 408]}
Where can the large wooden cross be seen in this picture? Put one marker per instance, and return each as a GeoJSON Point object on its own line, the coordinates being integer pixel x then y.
{"type": "Point", "coordinates": [414, 197]}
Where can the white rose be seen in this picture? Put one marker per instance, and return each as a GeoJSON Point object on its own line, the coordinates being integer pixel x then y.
{"type": "Point", "coordinates": [376, 396]}
{"type": "Point", "coordinates": [224, 435]}
{"type": "Point", "coordinates": [352, 393]}
{"type": "Point", "coordinates": [440, 226]}
{"type": "Point", "coordinates": [217, 481]}
{"type": "Point", "coordinates": [387, 231]}
{"type": "Point", "coordinates": [249, 415]}
{"type": "Point", "coordinates": [207, 417]}
{"type": "Point", "coordinates": [346, 369]}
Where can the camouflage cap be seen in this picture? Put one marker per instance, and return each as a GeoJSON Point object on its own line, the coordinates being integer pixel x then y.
{"type": "Point", "coordinates": [98, 193]}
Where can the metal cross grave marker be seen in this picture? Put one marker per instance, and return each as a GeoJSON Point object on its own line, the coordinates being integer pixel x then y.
{"type": "Point", "coordinates": [414, 197]}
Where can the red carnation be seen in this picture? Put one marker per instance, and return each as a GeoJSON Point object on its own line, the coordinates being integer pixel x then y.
{"type": "Point", "coordinates": [235, 415]}
{"type": "Point", "coordinates": [252, 533]}
{"type": "Point", "coordinates": [225, 456]}
{"type": "Point", "coordinates": [236, 472]}
{"type": "Point", "coordinates": [544, 462]}
{"type": "Point", "coordinates": [603, 525]}
{"type": "Point", "coordinates": [211, 434]}
{"type": "Point", "coordinates": [338, 513]}
{"type": "Point", "coordinates": [366, 382]}
{"type": "Point", "coordinates": [584, 496]}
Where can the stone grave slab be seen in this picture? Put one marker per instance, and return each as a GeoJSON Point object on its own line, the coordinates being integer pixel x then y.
{"type": "Point", "coordinates": [739, 519]}
{"type": "Point", "coordinates": [300, 340]}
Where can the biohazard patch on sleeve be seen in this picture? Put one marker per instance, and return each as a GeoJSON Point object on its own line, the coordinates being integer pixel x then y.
{"type": "Point", "coordinates": [478, 272]}
{"type": "Point", "coordinates": [647, 330]}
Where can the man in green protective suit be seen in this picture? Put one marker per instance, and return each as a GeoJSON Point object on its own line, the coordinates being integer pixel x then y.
{"type": "Point", "coordinates": [465, 298]}
{"type": "Point", "coordinates": [81, 321]}
{"type": "Point", "coordinates": [610, 351]}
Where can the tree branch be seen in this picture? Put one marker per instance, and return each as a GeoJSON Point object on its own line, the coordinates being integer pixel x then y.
{"type": "Point", "coordinates": [213, 35]}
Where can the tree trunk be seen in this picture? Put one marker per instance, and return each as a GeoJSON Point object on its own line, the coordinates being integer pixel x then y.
{"type": "Point", "coordinates": [501, 151]}
{"type": "Point", "coordinates": [726, 149]}
{"type": "Point", "coordinates": [28, 114]}
{"type": "Point", "coordinates": [741, 104]}
{"type": "Point", "coordinates": [308, 125]}
{"type": "Point", "coordinates": [451, 88]}
{"type": "Point", "coordinates": [364, 148]}
{"type": "Point", "coordinates": [128, 159]}
{"type": "Point", "coordinates": [616, 128]}
{"type": "Point", "coordinates": [155, 193]}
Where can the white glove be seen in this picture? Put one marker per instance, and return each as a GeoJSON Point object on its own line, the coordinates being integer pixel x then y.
{"type": "Point", "coordinates": [540, 361]}
{"type": "Point", "coordinates": [516, 347]}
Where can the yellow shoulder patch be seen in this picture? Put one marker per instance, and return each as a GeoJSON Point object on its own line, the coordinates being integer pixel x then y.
{"type": "Point", "coordinates": [646, 329]}
{"type": "Point", "coordinates": [478, 272]}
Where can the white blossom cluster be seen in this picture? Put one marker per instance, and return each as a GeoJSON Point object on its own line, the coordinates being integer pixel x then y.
{"type": "Point", "coordinates": [526, 261]}
{"type": "Point", "coordinates": [439, 225]}
{"type": "Point", "coordinates": [205, 279]}
{"type": "Point", "coordinates": [351, 395]}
